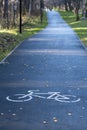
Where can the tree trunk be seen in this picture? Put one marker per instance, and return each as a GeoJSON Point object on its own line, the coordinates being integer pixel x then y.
{"type": "Point", "coordinates": [30, 6]}
{"type": "Point", "coordinates": [66, 7]}
{"type": "Point", "coordinates": [6, 13]}
{"type": "Point", "coordinates": [69, 4]}
{"type": "Point", "coordinates": [77, 14]}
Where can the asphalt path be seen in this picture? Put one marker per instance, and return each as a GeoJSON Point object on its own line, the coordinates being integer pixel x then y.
{"type": "Point", "coordinates": [43, 83]}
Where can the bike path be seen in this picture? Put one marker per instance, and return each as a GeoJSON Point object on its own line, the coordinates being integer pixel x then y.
{"type": "Point", "coordinates": [54, 62]}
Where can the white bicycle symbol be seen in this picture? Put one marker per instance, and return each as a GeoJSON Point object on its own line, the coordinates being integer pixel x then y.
{"type": "Point", "coordinates": [49, 95]}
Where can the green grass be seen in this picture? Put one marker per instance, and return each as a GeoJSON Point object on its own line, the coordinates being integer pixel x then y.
{"type": "Point", "coordinates": [80, 27]}
{"type": "Point", "coordinates": [11, 38]}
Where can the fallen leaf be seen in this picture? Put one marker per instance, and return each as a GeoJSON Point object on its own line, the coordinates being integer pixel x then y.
{"type": "Point", "coordinates": [21, 108]}
{"type": "Point", "coordinates": [83, 108]}
{"type": "Point", "coordinates": [44, 122]}
{"type": "Point", "coordinates": [13, 114]}
{"type": "Point", "coordinates": [69, 114]}
{"type": "Point", "coordinates": [55, 119]}
{"type": "Point", "coordinates": [2, 114]}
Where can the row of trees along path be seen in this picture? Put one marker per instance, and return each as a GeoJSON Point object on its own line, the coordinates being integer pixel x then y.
{"type": "Point", "coordinates": [10, 10]}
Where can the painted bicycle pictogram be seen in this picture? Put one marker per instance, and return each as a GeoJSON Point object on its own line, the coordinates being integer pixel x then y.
{"type": "Point", "coordinates": [57, 96]}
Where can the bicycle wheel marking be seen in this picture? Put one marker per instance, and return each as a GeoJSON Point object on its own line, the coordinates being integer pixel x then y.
{"type": "Point", "coordinates": [18, 98]}
{"type": "Point", "coordinates": [57, 96]}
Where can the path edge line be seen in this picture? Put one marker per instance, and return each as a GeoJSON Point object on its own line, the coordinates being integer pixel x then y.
{"type": "Point", "coordinates": [3, 60]}
{"type": "Point", "coordinates": [21, 42]}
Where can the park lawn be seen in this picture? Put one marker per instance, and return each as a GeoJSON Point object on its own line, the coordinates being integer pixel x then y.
{"type": "Point", "coordinates": [11, 38]}
{"type": "Point", "coordinates": [80, 27]}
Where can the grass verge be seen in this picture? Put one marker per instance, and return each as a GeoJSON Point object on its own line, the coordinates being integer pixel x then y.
{"type": "Point", "coordinates": [80, 27]}
{"type": "Point", "coordinates": [10, 38]}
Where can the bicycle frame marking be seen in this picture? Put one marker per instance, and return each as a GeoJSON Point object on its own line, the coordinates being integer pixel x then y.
{"type": "Point", "coordinates": [57, 96]}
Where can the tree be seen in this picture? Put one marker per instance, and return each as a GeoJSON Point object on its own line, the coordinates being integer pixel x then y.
{"type": "Point", "coordinates": [10, 11]}
{"type": "Point", "coordinates": [30, 6]}
{"type": "Point", "coordinates": [86, 10]}
{"type": "Point", "coordinates": [6, 12]}
{"type": "Point", "coordinates": [69, 5]}
{"type": "Point", "coordinates": [66, 4]}
{"type": "Point", "coordinates": [76, 5]}
{"type": "Point", "coordinates": [41, 9]}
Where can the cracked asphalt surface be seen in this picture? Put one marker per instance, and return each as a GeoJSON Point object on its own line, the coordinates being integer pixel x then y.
{"type": "Point", "coordinates": [43, 83]}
